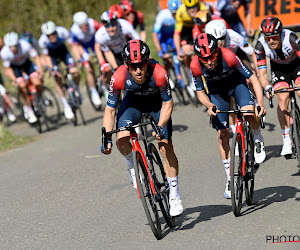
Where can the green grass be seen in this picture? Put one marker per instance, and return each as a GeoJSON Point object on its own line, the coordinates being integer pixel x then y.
{"type": "Point", "coordinates": [9, 141]}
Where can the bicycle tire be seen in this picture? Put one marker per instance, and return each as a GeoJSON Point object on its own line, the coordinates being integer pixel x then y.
{"type": "Point", "coordinates": [236, 177]}
{"type": "Point", "coordinates": [147, 196]}
{"type": "Point", "coordinates": [296, 132]}
{"type": "Point", "coordinates": [50, 101]}
{"type": "Point", "coordinates": [172, 77]}
{"type": "Point", "coordinates": [161, 183]}
{"type": "Point", "coordinates": [250, 174]}
{"type": "Point", "coordinates": [78, 107]}
{"type": "Point", "coordinates": [17, 107]}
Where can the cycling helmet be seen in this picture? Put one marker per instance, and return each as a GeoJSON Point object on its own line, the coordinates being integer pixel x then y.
{"type": "Point", "coordinates": [173, 5]}
{"type": "Point", "coordinates": [117, 10]}
{"type": "Point", "coordinates": [27, 36]}
{"type": "Point", "coordinates": [11, 39]}
{"type": "Point", "coordinates": [80, 18]}
{"type": "Point", "coordinates": [217, 28]}
{"type": "Point", "coordinates": [271, 26]}
{"type": "Point", "coordinates": [135, 51]}
{"type": "Point", "coordinates": [127, 6]}
{"type": "Point", "coordinates": [48, 28]}
{"type": "Point", "coordinates": [202, 17]}
{"type": "Point", "coordinates": [108, 17]}
{"type": "Point", "coordinates": [205, 45]}
{"type": "Point", "coordinates": [190, 3]}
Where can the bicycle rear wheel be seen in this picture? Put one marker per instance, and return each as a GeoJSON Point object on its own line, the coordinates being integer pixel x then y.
{"type": "Point", "coordinates": [250, 174]}
{"type": "Point", "coordinates": [147, 196]}
{"type": "Point", "coordinates": [296, 132]}
{"type": "Point", "coordinates": [178, 92]}
{"type": "Point", "coordinates": [236, 176]}
{"type": "Point", "coordinates": [78, 106]}
{"type": "Point", "coordinates": [161, 183]}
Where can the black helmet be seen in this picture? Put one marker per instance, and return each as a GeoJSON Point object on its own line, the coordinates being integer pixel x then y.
{"type": "Point", "coordinates": [271, 26]}
{"type": "Point", "coordinates": [27, 36]}
{"type": "Point", "coordinates": [135, 51]}
{"type": "Point", "coordinates": [205, 45]}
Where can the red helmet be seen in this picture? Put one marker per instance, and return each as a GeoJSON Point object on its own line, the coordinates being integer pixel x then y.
{"type": "Point", "coordinates": [271, 26]}
{"type": "Point", "coordinates": [117, 10]}
{"type": "Point", "coordinates": [205, 45]}
{"type": "Point", "coordinates": [127, 6]}
{"type": "Point", "coordinates": [135, 51]}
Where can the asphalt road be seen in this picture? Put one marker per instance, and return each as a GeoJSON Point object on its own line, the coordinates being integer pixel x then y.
{"type": "Point", "coordinates": [61, 193]}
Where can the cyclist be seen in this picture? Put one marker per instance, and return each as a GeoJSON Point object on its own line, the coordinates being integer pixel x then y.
{"type": "Point", "coordinates": [282, 46]}
{"type": "Point", "coordinates": [201, 19]}
{"type": "Point", "coordinates": [27, 36]}
{"type": "Point", "coordinates": [15, 56]}
{"type": "Point", "coordinates": [136, 18]}
{"type": "Point", "coordinates": [183, 38]}
{"type": "Point", "coordinates": [163, 36]}
{"type": "Point", "coordinates": [146, 90]}
{"type": "Point", "coordinates": [83, 34]}
{"type": "Point", "coordinates": [225, 76]}
{"type": "Point", "coordinates": [117, 10]}
{"type": "Point", "coordinates": [228, 10]}
{"type": "Point", "coordinates": [112, 37]}
{"type": "Point", "coordinates": [53, 49]}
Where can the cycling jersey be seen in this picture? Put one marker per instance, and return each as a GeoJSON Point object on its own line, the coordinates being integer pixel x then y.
{"type": "Point", "coordinates": [235, 41]}
{"type": "Point", "coordinates": [25, 50]}
{"type": "Point", "coordinates": [183, 19]}
{"type": "Point", "coordinates": [140, 98]}
{"type": "Point", "coordinates": [62, 36]}
{"type": "Point", "coordinates": [164, 24]}
{"type": "Point", "coordinates": [196, 31]}
{"type": "Point", "coordinates": [288, 53]}
{"type": "Point", "coordinates": [226, 80]}
{"type": "Point", "coordinates": [85, 39]}
{"type": "Point", "coordinates": [116, 43]}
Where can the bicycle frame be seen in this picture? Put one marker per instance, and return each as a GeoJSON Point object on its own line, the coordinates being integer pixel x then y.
{"type": "Point", "coordinates": [240, 130]}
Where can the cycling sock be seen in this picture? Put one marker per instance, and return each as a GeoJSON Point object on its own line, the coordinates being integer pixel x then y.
{"type": "Point", "coordinates": [233, 128]}
{"type": "Point", "coordinates": [93, 90]}
{"type": "Point", "coordinates": [257, 136]}
{"type": "Point", "coordinates": [27, 109]}
{"type": "Point", "coordinates": [65, 102]}
{"type": "Point", "coordinates": [226, 164]}
{"type": "Point", "coordinates": [129, 159]}
{"type": "Point", "coordinates": [286, 135]}
{"type": "Point", "coordinates": [173, 183]}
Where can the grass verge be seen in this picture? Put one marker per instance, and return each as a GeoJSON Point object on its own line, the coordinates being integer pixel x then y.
{"type": "Point", "coordinates": [9, 141]}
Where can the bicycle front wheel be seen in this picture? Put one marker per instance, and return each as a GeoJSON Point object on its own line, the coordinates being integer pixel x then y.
{"type": "Point", "coordinates": [236, 175]}
{"type": "Point", "coordinates": [146, 193]}
{"type": "Point", "coordinates": [161, 183]}
{"type": "Point", "coordinates": [50, 104]}
{"type": "Point", "coordinates": [296, 132]}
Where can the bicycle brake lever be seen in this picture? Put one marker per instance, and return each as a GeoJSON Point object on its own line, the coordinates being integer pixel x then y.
{"type": "Point", "coordinates": [271, 98]}
{"type": "Point", "coordinates": [262, 124]}
{"type": "Point", "coordinates": [104, 138]}
{"type": "Point", "coordinates": [212, 121]}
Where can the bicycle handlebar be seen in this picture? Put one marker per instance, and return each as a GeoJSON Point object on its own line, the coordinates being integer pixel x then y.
{"type": "Point", "coordinates": [285, 90]}
{"type": "Point", "coordinates": [236, 111]}
{"type": "Point", "coordinates": [271, 98]}
{"type": "Point", "coordinates": [130, 128]}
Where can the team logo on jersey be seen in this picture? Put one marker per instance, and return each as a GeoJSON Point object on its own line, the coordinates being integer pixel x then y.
{"type": "Point", "coordinates": [246, 44]}
{"type": "Point", "coordinates": [128, 82]}
{"type": "Point", "coordinates": [224, 123]}
{"type": "Point", "coordinates": [282, 78]}
{"type": "Point", "coordinates": [128, 122]}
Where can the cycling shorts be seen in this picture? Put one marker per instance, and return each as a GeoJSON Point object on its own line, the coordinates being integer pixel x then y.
{"type": "Point", "coordinates": [28, 67]}
{"type": "Point", "coordinates": [285, 73]}
{"type": "Point", "coordinates": [130, 114]}
{"type": "Point", "coordinates": [62, 54]}
{"type": "Point", "coordinates": [186, 35]}
{"type": "Point", "coordinates": [166, 44]}
{"type": "Point", "coordinates": [242, 96]}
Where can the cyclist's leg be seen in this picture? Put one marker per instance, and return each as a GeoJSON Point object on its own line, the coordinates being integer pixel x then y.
{"type": "Point", "coordinates": [30, 70]}
{"type": "Point", "coordinates": [296, 75]}
{"type": "Point", "coordinates": [239, 28]}
{"type": "Point", "coordinates": [69, 61]}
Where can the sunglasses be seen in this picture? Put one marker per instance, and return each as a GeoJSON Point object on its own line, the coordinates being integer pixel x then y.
{"type": "Point", "coordinates": [211, 58]}
{"type": "Point", "coordinates": [268, 38]}
{"type": "Point", "coordinates": [134, 66]}
{"type": "Point", "coordinates": [52, 34]}
{"type": "Point", "coordinates": [221, 38]}
{"type": "Point", "coordinates": [107, 25]}
{"type": "Point", "coordinates": [192, 7]}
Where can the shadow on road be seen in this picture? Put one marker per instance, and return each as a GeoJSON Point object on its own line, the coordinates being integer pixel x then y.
{"type": "Point", "coordinates": [266, 196]}
{"type": "Point", "coordinates": [203, 213]}
{"type": "Point", "coordinates": [269, 126]}
{"type": "Point", "coordinates": [273, 151]}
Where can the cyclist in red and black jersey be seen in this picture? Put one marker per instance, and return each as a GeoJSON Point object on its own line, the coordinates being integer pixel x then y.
{"type": "Point", "coordinates": [136, 18]}
{"type": "Point", "coordinates": [225, 76]}
{"type": "Point", "coordinates": [282, 46]}
{"type": "Point", "coordinates": [147, 90]}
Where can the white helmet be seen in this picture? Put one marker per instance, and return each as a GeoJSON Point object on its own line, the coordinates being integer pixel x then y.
{"type": "Point", "coordinates": [217, 28]}
{"type": "Point", "coordinates": [80, 18]}
{"type": "Point", "coordinates": [48, 28]}
{"type": "Point", "coordinates": [11, 39]}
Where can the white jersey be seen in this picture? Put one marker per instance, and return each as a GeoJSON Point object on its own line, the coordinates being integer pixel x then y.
{"type": "Point", "coordinates": [84, 37]}
{"type": "Point", "coordinates": [287, 50]}
{"type": "Point", "coordinates": [116, 43]}
{"type": "Point", "coordinates": [234, 41]}
{"type": "Point", "coordinates": [63, 35]}
{"type": "Point", "coordinates": [25, 50]}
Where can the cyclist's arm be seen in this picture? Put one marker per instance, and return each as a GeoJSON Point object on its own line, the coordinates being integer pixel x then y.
{"type": "Point", "coordinates": [9, 72]}
{"type": "Point", "coordinates": [109, 118]}
{"type": "Point", "coordinates": [177, 41]}
{"type": "Point", "coordinates": [295, 42]}
{"type": "Point", "coordinates": [254, 60]}
{"type": "Point", "coordinates": [77, 52]}
{"type": "Point", "coordinates": [257, 89]}
{"type": "Point", "coordinates": [165, 113]}
{"type": "Point", "coordinates": [263, 77]}
{"type": "Point", "coordinates": [203, 98]}
{"type": "Point", "coordinates": [261, 64]}
{"type": "Point", "coordinates": [248, 16]}
{"type": "Point", "coordinates": [156, 42]}
{"type": "Point", "coordinates": [99, 53]}
{"type": "Point", "coordinates": [38, 62]}
{"type": "Point", "coordinates": [143, 35]}
{"type": "Point", "coordinates": [110, 57]}
{"type": "Point", "coordinates": [48, 61]}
